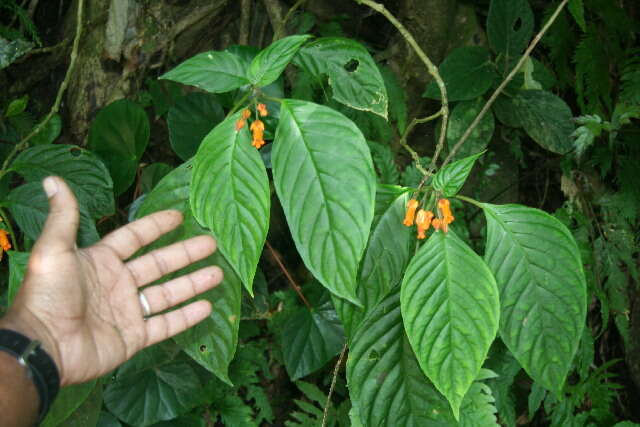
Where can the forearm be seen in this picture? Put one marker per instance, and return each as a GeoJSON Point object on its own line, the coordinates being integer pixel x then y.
{"type": "Point", "coordinates": [19, 401]}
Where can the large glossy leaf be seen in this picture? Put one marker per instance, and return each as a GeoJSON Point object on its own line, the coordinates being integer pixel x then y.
{"type": "Point", "coordinates": [215, 72]}
{"type": "Point", "coordinates": [546, 118]}
{"type": "Point", "coordinates": [467, 73]}
{"type": "Point", "coordinates": [324, 178]}
{"type": "Point", "coordinates": [450, 179]}
{"type": "Point", "coordinates": [80, 168]}
{"type": "Point", "coordinates": [353, 75]}
{"type": "Point", "coordinates": [385, 381]}
{"type": "Point", "coordinates": [450, 309]}
{"type": "Point", "coordinates": [509, 26]}
{"type": "Point", "coordinates": [212, 343]}
{"type": "Point", "coordinates": [463, 114]}
{"type": "Point", "coordinates": [67, 401]}
{"type": "Point", "coordinates": [29, 207]}
{"type": "Point", "coordinates": [230, 195]}
{"type": "Point", "coordinates": [190, 120]}
{"type": "Point", "coordinates": [141, 397]}
{"type": "Point", "coordinates": [267, 66]}
{"type": "Point", "coordinates": [17, 268]}
{"type": "Point", "coordinates": [311, 337]}
{"type": "Point", "coordinates": [542, 286]}
{"type": "Point", "coordinates": [388, 252]}
{"type": "Point", "coordinates": [119, 135]}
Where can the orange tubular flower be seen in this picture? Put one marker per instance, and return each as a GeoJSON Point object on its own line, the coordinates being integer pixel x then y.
{"type": "Point", "coordinates": [423, 221]}
{"type": "Point", "coordinates": [447, 218]}
{"type": "Point", "coordinates": [239, 124]}
{"type": "Point", "coordinates": [257, 129]}
{"type": "Point", "coordinates": [409, 217]}
{"type": "Point", "coordinates": [246, 113]}
{"type": "Point", "coordinates": [5, 244]}
{"type": "Point", "coordinates": [262, 109]}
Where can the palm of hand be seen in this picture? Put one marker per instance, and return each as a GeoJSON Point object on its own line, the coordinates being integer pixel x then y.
{"type": "Point", "coordinates": [84, 304]}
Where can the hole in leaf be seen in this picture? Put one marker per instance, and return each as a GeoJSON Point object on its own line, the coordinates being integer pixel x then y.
{"type": "Point", "coordinates": [75, 152]}
{"type": "Point", "coordinates": [517, 24]}
{"type": "Point", "coordinates": [203, 348]}
{"type": "Point", "coordinates": [352, 65]}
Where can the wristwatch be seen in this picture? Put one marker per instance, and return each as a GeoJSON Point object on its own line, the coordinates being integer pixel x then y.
{"type": "Point", "coordinates": [40, 366]}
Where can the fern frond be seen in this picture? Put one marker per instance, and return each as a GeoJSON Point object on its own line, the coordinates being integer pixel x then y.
{"type": "Point", "coordinates": [630, 78]}
{"type": "Point", "coordinates": [593, 84]}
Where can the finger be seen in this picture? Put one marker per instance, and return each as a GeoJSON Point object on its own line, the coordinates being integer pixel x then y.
{"type": "Point", "coordinates": [160, 262]}
{"type": "Point", "coordinates": [164, 326]}
{"type": "Point", "coordinates": [61, 227]}
{"type": "Point", "coordinates": [167, 295]}
{"type": "Point", "coordinates": [125, 241]}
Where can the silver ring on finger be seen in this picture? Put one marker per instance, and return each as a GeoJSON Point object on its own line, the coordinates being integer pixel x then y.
{"type": "Point", "coordinates": [146, 308]}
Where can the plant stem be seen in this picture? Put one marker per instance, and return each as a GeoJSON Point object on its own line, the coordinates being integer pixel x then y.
{"type": "Point", "coordinates": [333, 385]}
{"type": "Point", "coordinates": [238, 104]}
{"type": "Point", "coordinates": [504, 84]}
{"type": "Point", "coordinates": [431, 68]}
{"type": "Point", "coordinates": [293, 8]}
{"type": "Point", "coordinates": [407, 132]}
{"type": "Point", "coordinates": [56, 105]}
{"type": "Point", "coordinates": [292, 282]}
{"type": "Point", "coordinates": [470, 200]}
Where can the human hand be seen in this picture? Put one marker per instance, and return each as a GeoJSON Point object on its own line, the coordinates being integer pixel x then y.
{"type": "Point", "coordinates": [83, 304]}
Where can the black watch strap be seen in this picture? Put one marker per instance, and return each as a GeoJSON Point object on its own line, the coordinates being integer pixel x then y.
{"type": "Point", "coordinates": [40, 365]}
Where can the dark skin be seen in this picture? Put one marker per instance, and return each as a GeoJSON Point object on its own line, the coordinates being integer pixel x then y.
{"type": "Point", "coordinates": [83, 304]}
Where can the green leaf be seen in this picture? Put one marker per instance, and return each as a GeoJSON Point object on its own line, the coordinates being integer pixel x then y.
{"type": "Point", "coordinates": [67, 401]}
{"type": "Point", "coordinates": [29, 207]}
{"type": "Point", "coordinates": [230, 196]}
{"type": "Point", "coordinates": [190, 120]}
{"type": "Point", "coordinates": [214, 72]}
{"type": "Point", "coordinates": [542, 286]}
{"type": "Point", "coordinates": [164, 93]}
{"type": "Point", "coordinates": [12, 50]}
{"type": "Point", "coordinates": [310, 338]}
{"type": "Point", "coordinates": [450, 309]}
{"type": "Point", "coordinates": [576, 8]}
{"type": "Point", "coordinates": [397, 98]}
{"type": "Point", "coordinates": [17, 106]}
{"type": "Point", "coordinates": [267, 66]}
{"type": "Point", "coordinates": [49, 133]}
{"type": "Point", "coordinates": [388, 252]}
{"type": "Point", "coordinates": [385, 381]}
{"type": "Point", "coordinates": [546, 118]}
{"type": "Point", "coordinates": [463, 114]}
{"type": "Point", "coordinates": [212, 343]}
{"type": "Point", "coordinates": [502, 362]}
{"type": "Point", "coordinates": [108, 420]}
{"type": "Point", "coordinates": [509, 26]}
{"type": "Point", "coordinates": [450, 179]}
{"type": "Point", "coordinates": [157, 393]}
{"type": "Point", "coordinates": [467, 74]}
{"type": "Point", "coordinates": [324, 178]}
{"type": "Point", "coordinates": [353, 75]}
{"type": "Point", "coordinates": [17, 267]}
{"type": "Point", "coordinates": [152, 174]}
{"type": "Point", "coordinates": [88, 413]}
{"type": "Point", "coordinates": [119, 135]}
{"type": "Point", "coordinates": [80, 168]}
{"type": "Point", "coordinates": [384, 161]}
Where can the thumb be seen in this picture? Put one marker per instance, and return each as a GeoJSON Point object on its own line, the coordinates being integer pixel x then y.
{"type": "Point", "coordinates": [61, 227]}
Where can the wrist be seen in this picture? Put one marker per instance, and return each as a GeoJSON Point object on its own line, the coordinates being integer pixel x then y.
{"type": "Point", "coordinates": [31, 327]}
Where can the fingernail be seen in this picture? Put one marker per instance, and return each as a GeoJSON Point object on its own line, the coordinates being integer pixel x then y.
{"type": "Point", "coordinates": [50, 186]}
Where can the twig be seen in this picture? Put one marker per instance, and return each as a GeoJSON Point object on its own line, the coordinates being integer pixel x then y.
{"type": "Point", "coordinates": [504, 84]}
{"type": "Point", "coordinates": [12, 233]}
{"type": "Point", "coordinates": [42, 50]}
{"type": "Point", "coordinates": [292, 282]}
{"type": "Point", "coordinates": [56, 105]}
{"type": "Point", "coordinates": [333, 385]}
{"type": "Point", "coordinates": [407, 132]}
{"type": "Point", "coordinates": [433, 70]}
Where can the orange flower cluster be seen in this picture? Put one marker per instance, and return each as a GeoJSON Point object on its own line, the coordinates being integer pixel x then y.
{"type": "Point", "coordinates": [257, 129]}
{"type": "Point", "coordinates": [246, 113]}
{"type": "Point", "coordinates": [424, 219]}
{"type": "Point", "coordinates": [5, 244]}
